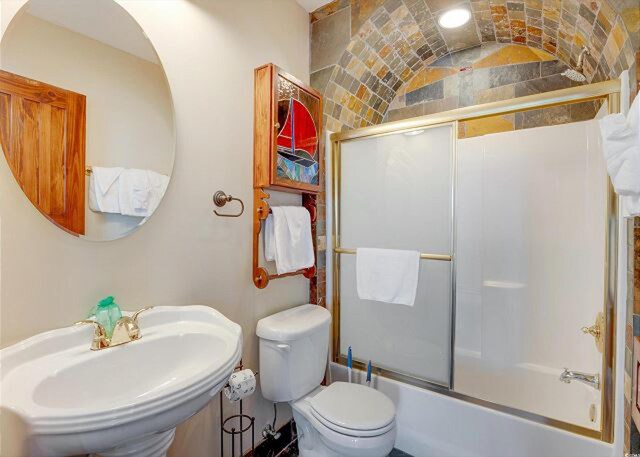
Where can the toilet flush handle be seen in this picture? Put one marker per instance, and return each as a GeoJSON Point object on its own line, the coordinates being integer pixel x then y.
{"type": "Point", "coordinates": [283, 347]}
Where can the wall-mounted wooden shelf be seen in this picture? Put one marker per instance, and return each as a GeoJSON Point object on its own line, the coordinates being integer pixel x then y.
{"type": "Point", "coordinates": [287, 151]}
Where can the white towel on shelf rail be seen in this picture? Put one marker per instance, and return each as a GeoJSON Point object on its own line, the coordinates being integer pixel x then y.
{"type": "Point", "coordinates": [103, 190]}
{"type": "Point", "coordinates": [387, 275]}
{"type": "Point", "coordinates": [287, 239]}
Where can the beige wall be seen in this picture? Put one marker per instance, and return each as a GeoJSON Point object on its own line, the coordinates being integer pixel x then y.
{"type": "Point", "coordinates": [129, 111]}
{"type": "Point", "coordinates": [184, 254]}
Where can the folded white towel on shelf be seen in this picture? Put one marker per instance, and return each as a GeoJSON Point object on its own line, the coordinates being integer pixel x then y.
{"type": "Point", "coordinates": [103, 192]}
{"type": "Point", "coordinates": [140, 191]}
{"type": "Point", "coordinates": [287, 239]}
{"type": "Point", "coordinates": [621, 147]}
{"type": "Point", "coordinates": [387, 275]}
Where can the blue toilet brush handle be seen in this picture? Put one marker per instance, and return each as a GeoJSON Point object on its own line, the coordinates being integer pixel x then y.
{"type": "Point", "coordinates": [349, 364]}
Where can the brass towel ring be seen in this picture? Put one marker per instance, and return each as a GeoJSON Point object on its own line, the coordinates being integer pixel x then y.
{"type": "Point", "coordinates": [220, 199]}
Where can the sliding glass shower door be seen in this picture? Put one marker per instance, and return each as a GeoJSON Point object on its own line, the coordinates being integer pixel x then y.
{"type": "Point", "coordinates": [396, 192]}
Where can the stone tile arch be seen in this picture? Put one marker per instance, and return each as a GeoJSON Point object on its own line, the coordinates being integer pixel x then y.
{"type": "Point", "coordinates": [389, 44]}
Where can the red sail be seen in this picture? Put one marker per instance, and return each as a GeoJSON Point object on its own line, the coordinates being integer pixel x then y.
{"type": "Point", "coordinates": [299, 126]}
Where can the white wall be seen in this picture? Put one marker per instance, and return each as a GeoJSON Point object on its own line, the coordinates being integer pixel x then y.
{"type": "Point", "coordinates": [129, 110]}
{"type": "Point", "coordinates": [184, 254]}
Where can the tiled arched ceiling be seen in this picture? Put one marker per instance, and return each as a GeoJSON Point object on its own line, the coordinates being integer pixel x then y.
{"type": "Point", "coordinates": [392, 40]}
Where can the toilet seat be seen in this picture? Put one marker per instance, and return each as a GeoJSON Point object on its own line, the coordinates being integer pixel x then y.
{"type": "Point", "coordinates": [353, 410]}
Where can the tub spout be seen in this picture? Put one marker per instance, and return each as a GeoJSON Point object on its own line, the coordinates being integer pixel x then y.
{"type": "Point", "coordinates": [592, 380]}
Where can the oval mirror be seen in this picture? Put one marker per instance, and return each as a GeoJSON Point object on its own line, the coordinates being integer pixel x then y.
{"type": "Point", "coordinates": [86, 116]}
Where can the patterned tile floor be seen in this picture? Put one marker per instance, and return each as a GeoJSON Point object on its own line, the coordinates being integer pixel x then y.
{"type": "Point", "coordinates": [288, 432]}
{"type": "Point", "coordinates": [292, 451]}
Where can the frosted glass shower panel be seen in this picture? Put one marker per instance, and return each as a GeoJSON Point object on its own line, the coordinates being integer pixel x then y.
{"type": "Point", "coordinates": [396, 193]}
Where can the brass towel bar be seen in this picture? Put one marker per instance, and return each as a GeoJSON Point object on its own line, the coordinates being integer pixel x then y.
{"type": "Point", "coordinates": [423, 255]}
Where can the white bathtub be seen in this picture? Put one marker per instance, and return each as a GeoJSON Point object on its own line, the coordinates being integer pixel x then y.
{"type": "Point", "coordinates": [528, 387]}
{"type": "Point", "coordinates": [435, 425]}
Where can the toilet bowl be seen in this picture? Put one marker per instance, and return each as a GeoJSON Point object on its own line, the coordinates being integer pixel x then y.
{"type": "Point", "coordinates": [340, 420]}
{"type": "Point", "coordinates": [334, 432]}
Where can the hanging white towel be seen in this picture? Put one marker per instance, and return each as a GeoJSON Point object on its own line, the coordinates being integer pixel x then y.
{"type": "Point", "coordinates": [630, 206]}
{"type": "Point", "coordinates": [158, 184]}
{"type": "Point", "coordinates": [289, 242]}
{"type": "Point", "coordinates": [621, 147]}
{"type": "Point", "coordinates": [134, 193]}
{"type": "Point", "coordinates": [140, 191]}
{"type": "Point", "coordinates": [103, 191]}
{"type": "Point", "coordinates": [269, 240]}
{"type": "Point", "coordinates": [387, 275]}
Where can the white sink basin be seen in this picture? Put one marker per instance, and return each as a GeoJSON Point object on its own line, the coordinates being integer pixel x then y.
{"type": "Point", "coordinates": [59, 398]}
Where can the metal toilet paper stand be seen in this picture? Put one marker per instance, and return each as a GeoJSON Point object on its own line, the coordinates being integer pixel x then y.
{"type": "Point", "coordinates": [236, 425]}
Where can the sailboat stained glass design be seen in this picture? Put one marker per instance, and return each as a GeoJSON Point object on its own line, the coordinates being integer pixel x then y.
{"type": "Point", "coordinates": [297, 139]}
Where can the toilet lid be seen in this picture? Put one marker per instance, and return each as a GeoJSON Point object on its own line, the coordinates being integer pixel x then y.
{"type": "Point", "coordinates": [353, 407]}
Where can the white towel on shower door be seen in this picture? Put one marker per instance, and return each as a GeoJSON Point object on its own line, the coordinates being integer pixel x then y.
{"type": "Point", "coordinates": [387, 275]}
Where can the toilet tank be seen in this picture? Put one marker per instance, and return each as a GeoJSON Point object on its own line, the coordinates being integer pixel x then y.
{"type": "Point", "coordinates": [294, 346]}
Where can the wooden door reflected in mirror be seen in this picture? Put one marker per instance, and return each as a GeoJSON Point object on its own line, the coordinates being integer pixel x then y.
{"type": "Point", "coordinates": [42, 133]}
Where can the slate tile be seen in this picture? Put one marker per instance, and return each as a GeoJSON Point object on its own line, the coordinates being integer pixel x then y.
{"type": "Point", "coordinates": [320, 79]}
{"type": "Point", "coordinates": [329, 38]}
{"type": "Point", "coordinates": [427, 93]}
{"type": "Point", "coordinates": [540, 118]}
{"type": "Point", "coordinates": [583, 111]}
{"type": "Point", "coordinates": [510, 74]}
{"type": "Point", "coordinates": [546, 84]}
{"type": "Point", "coordinates": [552, 67]}
{"type": "Point", "coordinates": [587, 14]}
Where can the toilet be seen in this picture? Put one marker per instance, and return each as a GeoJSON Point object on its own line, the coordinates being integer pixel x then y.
{"type": "Point", "coordinates": [340, 420]}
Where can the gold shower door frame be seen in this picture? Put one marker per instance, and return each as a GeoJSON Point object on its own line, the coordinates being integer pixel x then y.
{"type": "Point", "coordinates": [607, 91]}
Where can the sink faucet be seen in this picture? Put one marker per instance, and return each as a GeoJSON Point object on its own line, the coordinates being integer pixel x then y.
{"type": "Point", "coordinates": [125, 331]}
{"type": "Point", "coordinates": [592, 380]}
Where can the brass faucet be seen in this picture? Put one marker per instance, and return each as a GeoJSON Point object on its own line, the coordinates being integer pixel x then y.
{"type": "Point", "coordinates": [125, 331]}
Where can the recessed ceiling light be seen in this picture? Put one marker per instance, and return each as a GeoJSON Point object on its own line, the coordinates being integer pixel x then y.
{"type": "Point", "coordinates": [454, 18]}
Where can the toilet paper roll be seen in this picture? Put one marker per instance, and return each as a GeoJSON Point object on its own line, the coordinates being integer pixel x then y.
{"type": "Point", "coordinates": [241, 385]}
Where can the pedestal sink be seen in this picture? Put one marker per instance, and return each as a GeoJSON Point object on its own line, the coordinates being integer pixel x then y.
{"type": "Point", "coordinates": [60, 398]}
